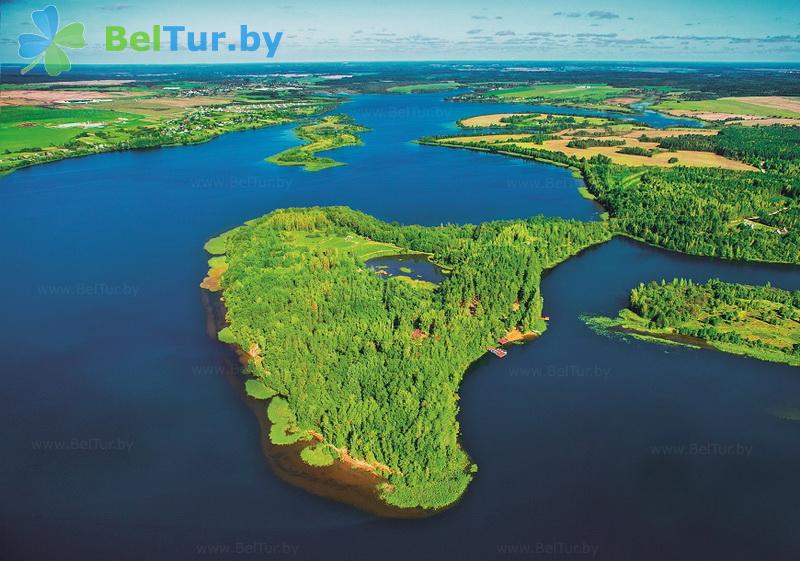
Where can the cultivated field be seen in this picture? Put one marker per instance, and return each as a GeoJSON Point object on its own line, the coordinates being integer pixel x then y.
{"type": "Point", "coordinates": [28, 127]}
{"type": "Point", "coordinates": [530, 119]}
{"type": "Point", "coordinates": [11, 98]}
{"type": "Point", "coordinates": [575, 92]}
{"type": "Point", "coordinates": [755, 108]}
{"type": "Point", "coordinates": [660, 158]}
{"type": "Point", "coordinates": [414, 88]}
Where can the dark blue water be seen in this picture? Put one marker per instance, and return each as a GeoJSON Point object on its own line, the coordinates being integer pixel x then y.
{"type": "Point", "coordinates": [123, 440]}
{"type": "Point", "coordinates": [417, 267]}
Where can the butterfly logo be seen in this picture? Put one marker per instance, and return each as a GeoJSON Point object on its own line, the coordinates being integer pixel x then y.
{"type": "Point", "coordinates": [49, 45]}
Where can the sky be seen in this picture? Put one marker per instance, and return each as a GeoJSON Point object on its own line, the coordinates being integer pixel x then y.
{"type": "Point", "coordinates": [363, 30]}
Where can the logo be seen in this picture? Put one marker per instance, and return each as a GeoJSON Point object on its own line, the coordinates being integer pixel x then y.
{"type": "Point", "coordinates": [50, 45]}
{"type": "Point", "coordinates": [117, 39]}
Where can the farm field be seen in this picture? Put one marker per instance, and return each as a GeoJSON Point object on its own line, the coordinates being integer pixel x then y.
{"type": "Point", "coordinates": [32, 96]}
{"type": "Point", "coordinates": [626, 138]}
{"type": "Point", "coordinates": [42, 125]}
{"type": "Point", "coordinates": [517, 120]}
{"type": "Point", "coordinates": [27, 127]}
{"type": "Point", "coordinates": [415, 88]}
{"type": "Point", "coordinates": [745, 108]}
{"type": "Point", "coordinates": [577, 92]}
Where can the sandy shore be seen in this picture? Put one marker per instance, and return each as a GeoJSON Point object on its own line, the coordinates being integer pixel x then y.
{"type": "Point", "coordinates": [341, 481]}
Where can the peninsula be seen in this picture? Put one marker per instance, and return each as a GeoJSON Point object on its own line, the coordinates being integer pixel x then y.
{"type": "Point", "coordinates": [365, 368]}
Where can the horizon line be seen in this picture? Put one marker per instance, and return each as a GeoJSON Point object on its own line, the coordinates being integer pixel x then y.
{"type": "Point", "coordinates": [483, 61]}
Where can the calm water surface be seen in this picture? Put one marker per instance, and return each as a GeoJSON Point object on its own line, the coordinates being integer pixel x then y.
{"type": "Point", "coordinates": [122, 439]}
{"type": "Point", "coordinates": [413, 266]}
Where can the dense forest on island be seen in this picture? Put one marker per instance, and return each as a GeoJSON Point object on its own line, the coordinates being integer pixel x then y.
{"type": "Point", "coordinates": [758, 321]}
{"type": "Point", "coordinates": [370, 365]}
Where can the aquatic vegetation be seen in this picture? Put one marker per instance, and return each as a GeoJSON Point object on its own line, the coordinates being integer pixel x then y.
{"type": "Point", "coordinates": [319, 455]}
{"type": "Point", "coordinates": [756, 321]}
{"type": "Point", "coordinates": [371, 365]}
{"type": "Point", "coordinates": [256, 388]}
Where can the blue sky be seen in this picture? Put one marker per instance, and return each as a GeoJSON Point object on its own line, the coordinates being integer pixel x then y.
{"type": "Point", "coordinates": [356, 30]}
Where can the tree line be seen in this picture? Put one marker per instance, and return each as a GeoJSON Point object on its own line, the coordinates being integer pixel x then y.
{"type": "Point", "coordinates": [335, 341]}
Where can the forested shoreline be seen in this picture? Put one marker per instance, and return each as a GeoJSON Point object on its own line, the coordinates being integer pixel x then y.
{"type": "Point", "coordinates": [758, 321]}
{"type": "Point", "coordinates": [730, 214]}
{"type": "Point", "coordinates": [370, 365]}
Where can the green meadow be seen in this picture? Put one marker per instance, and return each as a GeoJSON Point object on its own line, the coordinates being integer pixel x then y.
{"type": "Point", "coordinates": [360, 247]}
{"type": "Point", "coordinates": [575, 92]}
{"type": "Point", "coordinates": [414, 88]}
{"type": "Point", "coordinates": [27, 127]}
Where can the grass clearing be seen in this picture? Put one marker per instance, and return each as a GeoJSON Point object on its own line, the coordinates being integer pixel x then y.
{"type": "Point", "coordinates": [256, 388]}
{"type": "Point", "coordinates": [284, 428]}
{"type": "Point", "coordinates": [362, 248]}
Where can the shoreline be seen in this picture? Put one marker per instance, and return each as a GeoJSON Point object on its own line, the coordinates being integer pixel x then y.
{"type": "Point", "coordinates": [597, 202]}
{"type": "Point", "coordinates": [347, 480]}
{"type": "Point", "coordinates": [619, 326]}
{"type": "Point", "coordinates": [340, 481]}
{"type": "Point", "coordinates": [112, 150]}
{"type": "Point", "coordinates": [378, 497]}
{"type": "Point", "coordinates": [213, 134]}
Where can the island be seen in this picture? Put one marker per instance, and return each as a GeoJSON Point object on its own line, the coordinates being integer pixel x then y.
{"type": "Point", "coordinates": [364, 368]}
{"type": "Point", "coordinates": [361, 368]}
{"type": "Point", "coordinates": [762, 322]}
{"type": "Point", "coordinates": [328, 133]}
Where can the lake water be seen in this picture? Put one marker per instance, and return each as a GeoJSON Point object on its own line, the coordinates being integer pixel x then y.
{"type": "Point", "coordinates": [123, 440]}
{"type": "Point", "coordinates": [413, 266]}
